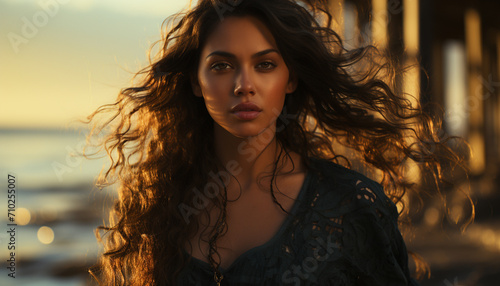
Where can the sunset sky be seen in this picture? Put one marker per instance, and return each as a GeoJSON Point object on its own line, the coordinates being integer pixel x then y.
{"type": "Point", "coordinates": [61, 59]}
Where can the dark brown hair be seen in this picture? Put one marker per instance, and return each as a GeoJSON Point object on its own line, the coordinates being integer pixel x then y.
{"type": "Point", "coordinates": [160, 139]}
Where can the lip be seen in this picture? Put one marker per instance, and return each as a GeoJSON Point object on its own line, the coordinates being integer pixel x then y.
{"type": "Point", "coordinates": [247, 115]}
{"type": "Point", "coordinates": [246, 107]}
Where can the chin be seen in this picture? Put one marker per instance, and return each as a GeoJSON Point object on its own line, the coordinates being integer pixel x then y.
{"type": "Point", "coordinates": [244, 134]}
{"type": "Point", "coordinates": [263, 132]}
{"type": "Point", "coordinates": [247, 129]}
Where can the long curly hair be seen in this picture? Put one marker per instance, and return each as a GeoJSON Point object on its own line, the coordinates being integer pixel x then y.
{"type": "Point", "coordinates": [159, 136]}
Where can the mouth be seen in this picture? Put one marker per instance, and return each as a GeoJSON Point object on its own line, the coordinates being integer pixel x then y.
{"type": "Point", "coordinates": [246, 106]}
{"type": "Point", "coordinates": [246, 111]}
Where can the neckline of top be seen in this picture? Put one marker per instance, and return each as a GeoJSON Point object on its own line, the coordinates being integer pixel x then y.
{"type": "Point", "coordinates": [300, 198]}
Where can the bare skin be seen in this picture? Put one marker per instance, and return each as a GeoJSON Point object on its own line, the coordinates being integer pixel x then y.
{"type": "Point", "coordinates": [224, 81]}
{"type": "Point", "coordinates": [252, 219]}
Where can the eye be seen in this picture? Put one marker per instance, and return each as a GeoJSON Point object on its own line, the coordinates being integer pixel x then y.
{"type": "Point", "coordinates": [267, 65]}
{"type": "Point", "coordinates": [219, 66]}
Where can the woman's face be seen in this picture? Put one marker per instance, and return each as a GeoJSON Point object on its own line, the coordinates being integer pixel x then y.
{"type": "Point", "coordinates": [240, 63]}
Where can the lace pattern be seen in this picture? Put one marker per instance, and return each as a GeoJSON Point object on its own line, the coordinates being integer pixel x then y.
{"type": "Point", "coordinates": [343, 232]}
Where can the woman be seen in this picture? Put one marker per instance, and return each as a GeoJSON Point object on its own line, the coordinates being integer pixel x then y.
{"type": "Point", "coordinates": [225, 161]}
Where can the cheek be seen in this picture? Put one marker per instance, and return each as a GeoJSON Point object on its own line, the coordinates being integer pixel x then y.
{"type": "Point", "coordinates": [277, 85]}
{"type": "Point", "coordinates": [214, 90]}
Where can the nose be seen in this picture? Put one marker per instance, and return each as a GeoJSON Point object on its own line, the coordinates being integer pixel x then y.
{"type": "Point", "coordinates": [243, 83]}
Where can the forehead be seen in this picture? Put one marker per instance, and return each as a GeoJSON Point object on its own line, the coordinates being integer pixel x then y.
{"type": "Point", "coordinates": [239, 34]}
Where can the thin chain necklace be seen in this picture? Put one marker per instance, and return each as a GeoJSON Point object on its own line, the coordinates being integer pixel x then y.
{"type": "Point", "coordinates": [212, 247]}
{"type": "Point", "coordinates": [217, 275]}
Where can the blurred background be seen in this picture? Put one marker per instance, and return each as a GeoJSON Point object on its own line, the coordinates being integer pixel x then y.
{"type": "Point", "coordinates": [451, 51]}
{"type": "Point", "coordinates": [61, 59]}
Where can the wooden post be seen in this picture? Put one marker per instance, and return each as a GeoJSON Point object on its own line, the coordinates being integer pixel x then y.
{"type": "Point", "coordinates": [379, 23]}
{"type": "Point", "coordinates": [475, 102]}
{"type": "Point", "coordinates": [336, 8]}
{"type": "Point", "coordinates": [411, 79]}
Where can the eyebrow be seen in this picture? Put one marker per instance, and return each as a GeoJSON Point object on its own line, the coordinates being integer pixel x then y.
{"type": "Point", "coordinates": [229, 55]}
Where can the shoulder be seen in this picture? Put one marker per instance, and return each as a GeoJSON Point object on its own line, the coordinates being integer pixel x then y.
{"type": "Point", "coordinates": [346, 189]}
{"type": "Point", "coordinates": [333, 173]}
{"type": "Point", "coordinates": [353, 211]}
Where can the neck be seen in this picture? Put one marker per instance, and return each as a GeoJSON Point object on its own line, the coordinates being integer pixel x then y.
{"type": "Point", "coordinates": [246, 158]}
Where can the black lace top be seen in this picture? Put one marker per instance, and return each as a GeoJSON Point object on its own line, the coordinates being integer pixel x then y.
{"type": "Point", "coordinates": [342, 230]}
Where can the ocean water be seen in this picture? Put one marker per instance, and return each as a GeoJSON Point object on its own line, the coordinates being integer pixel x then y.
{"type": "Point", "coordinates": [56, 207]}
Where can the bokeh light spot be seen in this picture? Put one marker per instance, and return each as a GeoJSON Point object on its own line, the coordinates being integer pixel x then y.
{"type": "Point", "coordinates": [23, 216]}
{"type": "Point", "coordinates": [45, 235]}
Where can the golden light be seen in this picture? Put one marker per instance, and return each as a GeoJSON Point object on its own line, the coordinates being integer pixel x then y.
{"type": "Point", "coordinates": [336, 8]}
{"type": "Point", "coordinates": [379, 23]}
{"type": "Point", "coordinates": [455, 87]}
{"type": "Point", "coordinates": [431, 216]}
{"type": "Point", "coordinates": [475, 102]}
{"type": "Point", "coordinates": [411, 26]}
{"type": "Point", "coordinates": [45, 235]}
{"type": "Point", "coordinates": [411, 79]}
{"type": "Point", "coordinates": [456, 213]}
{"type": "Point", "coordinates": [405, 200]}
{"type": "Point", "coordinates": [488, 237]}
{"type": "Point", "coordinates": [473, 36]}
{"type": "Point", "coordinates": [23, 216]}
{"type": "Point", "coordinates": [411, 44]}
